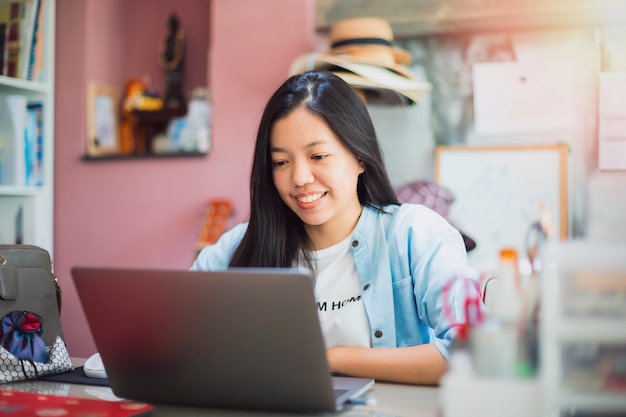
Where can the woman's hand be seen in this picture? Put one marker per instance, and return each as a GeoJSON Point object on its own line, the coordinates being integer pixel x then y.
{"type": "Point", "coordinates": [420, 365]}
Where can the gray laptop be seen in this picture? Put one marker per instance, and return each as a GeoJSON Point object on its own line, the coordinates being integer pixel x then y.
{"type": "Point", "coordinates": [242, 338]}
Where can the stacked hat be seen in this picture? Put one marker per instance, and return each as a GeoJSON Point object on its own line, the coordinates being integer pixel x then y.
{"type": "Point", "coordinates": [363, 55]}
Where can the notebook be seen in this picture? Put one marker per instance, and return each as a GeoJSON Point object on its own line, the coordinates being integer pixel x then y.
{"type": "Point", "coordinates": [243, 338]}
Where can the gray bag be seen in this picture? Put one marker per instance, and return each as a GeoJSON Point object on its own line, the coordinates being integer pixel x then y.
{"type": "Point", "coordinates": [27, 283]}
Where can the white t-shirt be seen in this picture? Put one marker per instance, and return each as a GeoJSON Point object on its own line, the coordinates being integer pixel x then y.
{"type": "Point", "coordinates": [338, 294]}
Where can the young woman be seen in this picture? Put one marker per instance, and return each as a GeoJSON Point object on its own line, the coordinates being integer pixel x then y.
{"type": "Point", "coordinates": [321, 199]}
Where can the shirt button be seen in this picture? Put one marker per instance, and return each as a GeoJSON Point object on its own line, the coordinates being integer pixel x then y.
{"type": "Point", "coordinates": [378, 334]}
{"type": "Point", "coordinates": [366, 287]}
{"type": "Point", "coordinates": [355, 243]}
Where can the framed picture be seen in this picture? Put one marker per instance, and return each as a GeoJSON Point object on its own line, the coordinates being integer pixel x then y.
{"type": "Point", "coordinates": [102, 120]}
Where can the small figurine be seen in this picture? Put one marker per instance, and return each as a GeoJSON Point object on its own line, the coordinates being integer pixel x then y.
{"type": "Point", "coordinates": [192, 132]}
{"type": "Point", "coordinates": [137, 97]}
{"type": "Point", "coordinates": [171, 58]}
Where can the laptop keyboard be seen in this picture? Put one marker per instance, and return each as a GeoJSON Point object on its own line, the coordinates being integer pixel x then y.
{"type": "Point", "coordinates": [339, 391]}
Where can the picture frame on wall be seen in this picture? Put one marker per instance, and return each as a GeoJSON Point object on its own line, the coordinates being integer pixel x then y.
{"type": "Point", "coordinates": [102, 119]}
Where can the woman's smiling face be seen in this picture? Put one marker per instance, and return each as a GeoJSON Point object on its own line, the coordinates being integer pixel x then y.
{"type": "Point", "coordinates": [315, 174]}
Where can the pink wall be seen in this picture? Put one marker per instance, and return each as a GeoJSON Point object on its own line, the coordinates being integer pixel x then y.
{"type": "Point", "coordinates": [147, 213]}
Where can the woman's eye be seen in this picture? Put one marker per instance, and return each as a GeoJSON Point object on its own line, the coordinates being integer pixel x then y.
{"type": "Point", "coordinates": [319, 157]}
{"type": "Point", "coordinates": [279, 163]}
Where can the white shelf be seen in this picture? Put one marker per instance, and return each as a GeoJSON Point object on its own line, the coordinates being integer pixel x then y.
{"type": "Point", "coordinates": [609, 330]}
{"type": "Point", "coordinates": [12, 85]}
{"type": "Point", "coordinates": [33, 204]}
{"type": "Point", "coordinates": [597, 401]}
{"type": "Point", "coordinates": [14, 190]}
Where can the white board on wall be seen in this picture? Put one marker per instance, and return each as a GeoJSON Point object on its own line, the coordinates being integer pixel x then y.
{"type": "Point", "coordinates": [499, 192]}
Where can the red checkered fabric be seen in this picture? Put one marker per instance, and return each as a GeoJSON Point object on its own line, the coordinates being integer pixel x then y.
{"type": "Point", "coordinates": [427, 193]}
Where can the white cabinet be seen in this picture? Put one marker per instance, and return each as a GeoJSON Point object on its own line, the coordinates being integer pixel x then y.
{"type": "Point", "coordinates": [27, 143]}
{"type": "Point", "coordinates": [583, 330]}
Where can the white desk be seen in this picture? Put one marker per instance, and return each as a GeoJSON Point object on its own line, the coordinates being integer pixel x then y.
{"type": "Point", "coordinates": [393, 400]}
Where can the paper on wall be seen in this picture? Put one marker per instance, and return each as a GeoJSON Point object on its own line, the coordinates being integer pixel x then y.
{"type": "Point", "coordinates": [612, 121]}
{"type": "Point", "coordinates": [515, 98]}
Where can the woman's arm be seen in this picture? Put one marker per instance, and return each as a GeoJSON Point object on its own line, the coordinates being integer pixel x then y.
{"type": "Point", "coordinates": [421, 364]}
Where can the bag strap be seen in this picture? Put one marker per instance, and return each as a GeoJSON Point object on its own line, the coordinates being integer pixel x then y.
{"type": "Point", "coordinates": [58, 287]}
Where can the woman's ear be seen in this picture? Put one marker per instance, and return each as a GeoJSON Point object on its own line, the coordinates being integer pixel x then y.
{"type": "Point", "coordinates": [361, 167]}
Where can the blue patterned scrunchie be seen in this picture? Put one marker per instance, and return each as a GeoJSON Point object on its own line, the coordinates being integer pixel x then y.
{"type": "Point", "coordinates": [21, 336]}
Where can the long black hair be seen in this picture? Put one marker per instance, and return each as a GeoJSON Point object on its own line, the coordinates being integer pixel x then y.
{"type": "Point", "coordinates": [275, 234]}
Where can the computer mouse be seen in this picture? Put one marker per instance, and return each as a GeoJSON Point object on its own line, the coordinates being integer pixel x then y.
{"type": "Point", "coordinates": [94, 368]}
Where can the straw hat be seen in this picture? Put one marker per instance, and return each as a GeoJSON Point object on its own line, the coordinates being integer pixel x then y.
{"type": "Point", "coordinates": [369, 39]}
{"type": "Point", "coordinates": [363, 55]}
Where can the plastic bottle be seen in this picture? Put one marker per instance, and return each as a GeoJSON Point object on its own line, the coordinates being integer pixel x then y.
{"type": "Point", "coordinates": [507, 306]}
{"type": "Point", "coordinates": [498, 344]}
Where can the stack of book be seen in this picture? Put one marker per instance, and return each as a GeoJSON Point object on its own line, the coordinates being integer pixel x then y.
{"type": "Point", "coordinates": [21, 141]}
{"type": "Point", "coordinates": [21, 43]}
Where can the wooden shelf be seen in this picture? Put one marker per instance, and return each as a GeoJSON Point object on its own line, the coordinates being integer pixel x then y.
{"type": "Point", "coordinates": [414, 18]}
{"type": "Point", "coordinates": [129, 157]}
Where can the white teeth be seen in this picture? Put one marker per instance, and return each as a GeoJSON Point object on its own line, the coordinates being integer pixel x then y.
{"type": "Point", "coordinates": [310, 198]}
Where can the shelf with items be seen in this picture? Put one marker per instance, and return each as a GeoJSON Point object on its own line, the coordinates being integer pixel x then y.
{"type": "Point", "coordinates": [27, 125]}
{"type": "Point", "coordinates": [583, 337]}
{"type": "Point", "coordinates": [147, 127]}
{"type": "Point", "coordinates": [24, 29]}
{"type": "Point", "coordinates": [25, 219]}
{"type": "Point", "coordinates": [143, 126]}
{"type": "Point", "coordinates": [138, 156]}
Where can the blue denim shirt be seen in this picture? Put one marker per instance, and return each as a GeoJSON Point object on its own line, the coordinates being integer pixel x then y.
{"type": "Point", "coordinates": [404, 257]}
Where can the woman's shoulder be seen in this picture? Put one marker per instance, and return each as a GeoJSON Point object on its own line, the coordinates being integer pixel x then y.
{"type": "Point", "coordinates": [405, 212]}
{"type": "Point", "coordinates": [408, 216]}
{"type": "Point", "coordinates": [218, 254]}
{"type": "Point", "coordinates": [417, 211]}
{"type": "Point", "coordinates": [236, 231]}
{"type": "Point", "coordinates": [421, 225]}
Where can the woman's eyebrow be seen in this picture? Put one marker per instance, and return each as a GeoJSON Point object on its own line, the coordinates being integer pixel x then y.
{"type": "Point", "coordinates": [277, 149]}
{"type": "Point", "coordinates": [308, 146]}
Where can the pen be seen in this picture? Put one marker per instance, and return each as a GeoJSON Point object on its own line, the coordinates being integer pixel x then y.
{"type": "Point", "coordinates": [362, 401]}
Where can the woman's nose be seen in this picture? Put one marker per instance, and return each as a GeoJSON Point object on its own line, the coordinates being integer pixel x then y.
{"type": "Point", "coordinates": [302, 174]}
